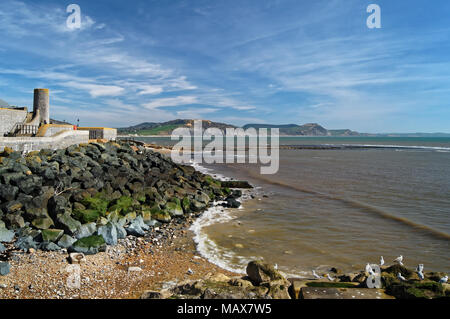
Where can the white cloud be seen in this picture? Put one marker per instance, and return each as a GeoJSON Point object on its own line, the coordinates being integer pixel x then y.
{"type": "Point", "coordinates": [96, 90]}
{"type": "Point", "coordinates": [170, 101]}
{"type": "Point", "coordinates": [150, 90]}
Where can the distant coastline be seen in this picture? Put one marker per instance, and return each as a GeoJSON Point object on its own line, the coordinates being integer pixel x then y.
{"type": "Point", "coordinates": [165, 129]}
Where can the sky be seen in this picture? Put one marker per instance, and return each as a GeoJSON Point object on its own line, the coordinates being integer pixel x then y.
{"type": "Point", "coordinates": [232, 61]}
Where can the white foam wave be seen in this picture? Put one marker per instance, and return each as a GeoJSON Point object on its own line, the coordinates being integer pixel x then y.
{"type": "Point", "coordinates": [217, 214]}
{"type": "Point", "coordinates": [421, 147]}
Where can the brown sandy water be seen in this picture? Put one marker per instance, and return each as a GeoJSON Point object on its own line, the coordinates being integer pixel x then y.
{"type": "Point", "coordinates": [340, 208]}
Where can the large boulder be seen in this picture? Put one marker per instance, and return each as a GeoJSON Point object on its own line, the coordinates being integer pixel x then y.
{"type": "Point", "coordinates": [25, 243]}
{"type": "Point", "coordinates": [8, 192]}
{"type": "Point", "coordinates": [4, 268]}
{"type": "Point", "coordinates": [66, 241]}
{"type": "Point", "coordinates": [109, 233]}
{"type": "Point", "coordinates": [89, 245]}
{"type": "Point", "coordinates": [85, 230]}
{"type": "Point", "coordinates": [52, 235]}
{"type": "Point", "coordinates": [137, 227]}
{"type": "Point", "coordinates": [174, 209]}
{"type": "Point", "coordinates": [69, 224]}
{"type": "Point", "coordinates": [6, 236]}
{"type": "Point", "coordinates": [259, 272]}
{"type": "Point", "coordinates": [43, 223]}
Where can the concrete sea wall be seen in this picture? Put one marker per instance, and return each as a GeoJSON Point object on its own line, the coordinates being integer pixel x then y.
{"type": "Point", "coordinates": [59, 141]}
{"type": "Point", "coordinates": [10, 117]}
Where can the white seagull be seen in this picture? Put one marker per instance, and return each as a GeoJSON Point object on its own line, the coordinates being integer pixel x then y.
{"type": "Point", "coordinates": [276, 266]}
{"type": "Point", "coordinates": [381, 261]}
{"type": "Point", "coordinates": [329, 277]}
{"type": "Point", "coordinates": [399, 260]}
{"type": "Point", "coordinates": [399, 276]}
{"type": "Point", "coordinates": [419, 268]}
{"type": "Point", "coordinates": [316, 275]}
{"type": "Point", "coordinates": [444, 280]}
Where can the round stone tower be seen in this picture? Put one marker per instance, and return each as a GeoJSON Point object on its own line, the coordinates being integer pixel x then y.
{"type": "Point", "coordinates": [42, 103]}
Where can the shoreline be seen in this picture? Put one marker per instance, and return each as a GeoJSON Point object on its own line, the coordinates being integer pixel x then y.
{"type": "Point", "coordinates": [166, 253]}
{"type": "Point", "coordinates": [166, 260]}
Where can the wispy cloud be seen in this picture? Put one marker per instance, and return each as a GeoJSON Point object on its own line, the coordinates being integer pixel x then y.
{"type": "Point", "coordinates": [170, 101]}
{"type": "Point", "coordinates": [285, 61]}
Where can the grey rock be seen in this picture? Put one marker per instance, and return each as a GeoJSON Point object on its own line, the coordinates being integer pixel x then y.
{"type": "Point", "coordinates": [49, 246]}
{"type": "Point", "coordinates": [8, 192]}
{"type": "Point", "coordinates": [6, 236]}
{"type": "Point", "coordinates": [2, 248]}
{"type": "Point", "coordinates": [25, 243]}
{"type": "Point", "coordinates": [85, 230]}
{"type": "Point", "coordinates": [137, 227]}
{"type": "Point", "coordinates": [232, 203]}
{"type": "Point", "coordinates": [4, 268]}
{"type": "Point", "coordinates": [69, 224]}
{"type": "Point", "coordinates": [66, 241]}
{"type": "Point", "coordinates": [202, 198]}
{"type": "Point", "coordinates": [196, 206]}
{"type": "Point", "coordinates": [109, 233]}
{"type": "Point", "coordinates": [121, 232]}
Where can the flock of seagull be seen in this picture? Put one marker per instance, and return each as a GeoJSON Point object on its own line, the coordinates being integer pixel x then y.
{"type": "Point", "coordinates": [398, 260]}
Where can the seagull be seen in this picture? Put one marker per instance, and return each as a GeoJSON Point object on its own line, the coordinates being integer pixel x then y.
{"type": "Point", "coordinates": [419, 268]}
{"type": "Point", "coordinates": [316, 275]}
{"type": "Point", "coordinates": [329, 277]}
{"type": "Point", "coordinates": [399, 260]}
{"type": "Point", "coordinates": [399, 276]}
{"type": "Point", "coordinates": [444, 280]}
{"type": "Point", "coordinates": [381, 261]}
{"type": "Point", "coordinates": [276, 266]}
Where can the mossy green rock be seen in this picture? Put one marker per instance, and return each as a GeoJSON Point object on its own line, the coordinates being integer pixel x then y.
{"type": "Point", "coordinates": [146, 215]}
{"type": "Point", "coordinates": [416, 290]}
{"type": "Point", "coordinates": [52, 235]}
{"type": "Point", "coordinates": [174, 209]}
{"type": "Point", "coordinates": [161, 216]}
{"type": "Point", "coordinates": [97, 204]}
{"type": "Point", "coordinates": [186, 204]}
{"type": "Point", "coordinates": [88, 215]}
{"type": "Point", "coordinates": [89, 245]}
{"type": "Point", "coordinates": [123, 205]}
{"type": "Point", "coordinates": [43, 223]}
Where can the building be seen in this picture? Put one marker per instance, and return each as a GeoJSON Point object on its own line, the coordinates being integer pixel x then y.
{"type": "Point", "coordinates": [22, 130]}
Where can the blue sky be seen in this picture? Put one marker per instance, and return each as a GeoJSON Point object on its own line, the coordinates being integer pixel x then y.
{"type": "Point", "coordinates": [255, 61]}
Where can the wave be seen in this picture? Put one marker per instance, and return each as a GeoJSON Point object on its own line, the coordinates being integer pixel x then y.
{"type": "Point", "coordinates": [217, 214]}
{"type": "Point", "coordinates": [420, 147]}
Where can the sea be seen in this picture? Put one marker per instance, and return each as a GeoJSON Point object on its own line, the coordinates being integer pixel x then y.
{"type": "Point", "coordinates": [337, 202]}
